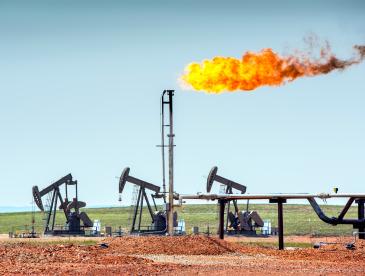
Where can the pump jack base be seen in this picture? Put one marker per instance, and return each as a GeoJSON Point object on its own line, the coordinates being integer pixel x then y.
{"type": "Point", "coordinates": [64, 233]}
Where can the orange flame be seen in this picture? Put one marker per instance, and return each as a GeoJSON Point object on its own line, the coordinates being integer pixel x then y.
{"type": "Point", "coordinates": [260, 69]}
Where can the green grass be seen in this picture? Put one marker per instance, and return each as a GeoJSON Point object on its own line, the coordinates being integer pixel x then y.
{"type": "Point", "coordinates": [298, 219]}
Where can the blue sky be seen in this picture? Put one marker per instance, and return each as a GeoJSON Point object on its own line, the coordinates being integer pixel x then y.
{"type": "Point", "coordinates": [80, 85]}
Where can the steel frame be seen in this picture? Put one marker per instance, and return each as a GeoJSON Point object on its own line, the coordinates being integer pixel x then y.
{"type": "Point", "coordinates": [280, 199]}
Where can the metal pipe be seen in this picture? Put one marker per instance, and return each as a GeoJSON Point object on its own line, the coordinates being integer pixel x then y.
{"type": "Point", "coordinates": [170, 220]}
{"type": "Point", "coordinates": [279, 202]}
{"type": "Point", "coordinates": [163, 146]}
{"type": "Point", "coordinates": [268, 196]}
{"type": "Point", "coordinates": [333, 220]}
{"type": "Point", "coordinates": [360, 212]}
{"type": "Point", "coordinates": [281, 224]}
{"type": "Point", "coordinates": [346, 208]}
{"type": "Point", "coordinates": [281, 198]}
{"type": "Point", "coordinates": [222, 205]}
{"type": "Point", "coordinates": [320, 213]}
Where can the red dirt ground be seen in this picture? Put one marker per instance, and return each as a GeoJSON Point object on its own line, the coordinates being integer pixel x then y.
{"type": "Point", "coordinates": [187, 255]}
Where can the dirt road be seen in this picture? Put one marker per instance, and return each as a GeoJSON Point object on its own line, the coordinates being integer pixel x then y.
{"type": "Point", "coordinates": [188, 255]}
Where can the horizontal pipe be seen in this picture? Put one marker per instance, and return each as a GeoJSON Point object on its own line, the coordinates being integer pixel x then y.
{"type": "Point", "coordinates": [268, 196]}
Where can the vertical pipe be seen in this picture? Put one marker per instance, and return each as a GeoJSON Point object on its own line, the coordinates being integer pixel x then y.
{"type": "Point", "coordinates": [222, 205]}
{"type": "Point", "coordinates": [163, 146]}
{"type": "Point", "coordinates": [361, 213]}
{"type": "Point", "coordinates": [171, 167]}
{"type": "Point", "coordinates": [280, 224]}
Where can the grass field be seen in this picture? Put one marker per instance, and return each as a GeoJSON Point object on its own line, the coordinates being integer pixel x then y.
{"type": "Point", "coordinates": [298, 219]}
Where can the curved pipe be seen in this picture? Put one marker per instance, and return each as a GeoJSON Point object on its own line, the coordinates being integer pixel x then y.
{"type": "Point", "coordinates": [333, 220]}
{"type": "Point", "coordinates": [320, 213]}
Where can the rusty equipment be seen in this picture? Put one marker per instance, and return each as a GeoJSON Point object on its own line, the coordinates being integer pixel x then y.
{"type": "Point", "coordinates": [237, 222]}
{"type": "Point", "coordinates": [71, 209]}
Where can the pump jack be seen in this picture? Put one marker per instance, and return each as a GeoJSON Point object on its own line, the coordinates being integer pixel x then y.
{"type": "Point", "coordinates": [158, 218]}
{"type": "Point", "coordinates": [241, 222]}
{"type": "Point", "coordinates": [69, 208]}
